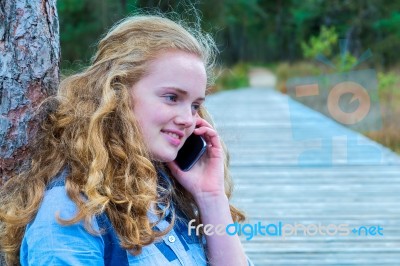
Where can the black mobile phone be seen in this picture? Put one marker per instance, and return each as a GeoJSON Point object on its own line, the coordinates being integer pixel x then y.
{"type": "Point", "coordinates": [191, 151]}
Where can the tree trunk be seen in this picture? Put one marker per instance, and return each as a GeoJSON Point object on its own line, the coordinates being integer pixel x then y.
{"type": "Point", "coordinates": [29, 72]}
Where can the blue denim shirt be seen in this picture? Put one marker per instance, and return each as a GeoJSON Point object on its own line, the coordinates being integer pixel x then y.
{"type": "Point", "coordinates": [46, 242]}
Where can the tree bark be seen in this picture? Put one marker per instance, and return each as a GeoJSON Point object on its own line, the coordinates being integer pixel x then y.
{"type": "Point", "coordinates": [29, 72]}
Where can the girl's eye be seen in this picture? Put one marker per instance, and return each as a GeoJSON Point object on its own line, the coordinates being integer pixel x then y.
{"type": "Point", "coordinates": [196, 107]}
{"type": "Point", "coordinates": [171, 97]}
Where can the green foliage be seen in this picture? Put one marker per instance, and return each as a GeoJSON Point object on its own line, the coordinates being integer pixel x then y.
{"type": "Point", "coordinates": [323, 44]}
{"type": "Point", "coordinates": [390, 24]}
{"type": "Point", "coordinates": [345, 62]}
{"type": "Point", "coordinates": [299, 69]}
{"type": "Point", "coordinates": [389, 94]}
{"type": "Point", "coordinates": [253, 30]}
{"type": "Point", "coordinates": [388, 38]}
{"type": "Point", "coordinates": [285, 71]}
{"type": "Point", "coordinates": [386, 81]}
{"type": "Point", "coordinates": [82, 22]}
{"type": "Point", "coordinates": [388, 87]}
{"type": "Point", "coordinates": [326, 44]}
{"type": "Point", "coordinates": [232, 78]}
{"type": "Point", "coordinates": [250, 31]}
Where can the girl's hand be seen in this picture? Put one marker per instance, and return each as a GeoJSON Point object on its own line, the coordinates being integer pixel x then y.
{"type": "Point", "coordinates": [206, 178]}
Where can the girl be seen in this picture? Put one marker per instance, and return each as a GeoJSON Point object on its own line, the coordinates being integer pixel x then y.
{"type": "Point", "coordinates": [102, 187]}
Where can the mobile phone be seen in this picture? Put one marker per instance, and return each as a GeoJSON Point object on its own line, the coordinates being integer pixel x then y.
{"type": "Point", "coordinates": [191, 151]}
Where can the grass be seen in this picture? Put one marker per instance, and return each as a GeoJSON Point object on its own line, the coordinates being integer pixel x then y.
{"type": "Point", "coordinates": [237, 76]}
{"type": "Point", "coordinates": [231, 78]}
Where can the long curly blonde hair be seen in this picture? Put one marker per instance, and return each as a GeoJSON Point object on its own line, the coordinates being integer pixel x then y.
{"type": "Point", "coordinates": [90, 128]}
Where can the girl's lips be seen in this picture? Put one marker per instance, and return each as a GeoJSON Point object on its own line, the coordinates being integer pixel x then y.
{"type": "Point", "coordinates": [171, 139]}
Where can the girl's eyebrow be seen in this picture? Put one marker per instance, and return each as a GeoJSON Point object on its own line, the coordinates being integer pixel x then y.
{"type": "Point", "coordinates": [183, 92]}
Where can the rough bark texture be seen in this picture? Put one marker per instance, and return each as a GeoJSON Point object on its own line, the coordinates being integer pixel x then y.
{"type": "Point", "coordinates": [29, 72]}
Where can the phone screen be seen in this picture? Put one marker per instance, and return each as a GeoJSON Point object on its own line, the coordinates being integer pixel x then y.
{"type": "Point", "coordinates": [191, 151]}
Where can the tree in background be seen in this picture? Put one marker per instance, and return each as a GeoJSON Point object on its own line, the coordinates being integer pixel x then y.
{"type": "Point", "coordinates": [29, 72]}
{"type": "Point", "coordinates": [82, 22]}
{"type": "Point", "coordinates": [248, 30]}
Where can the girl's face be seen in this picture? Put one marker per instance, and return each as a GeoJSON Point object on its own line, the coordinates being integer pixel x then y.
{"type": "Point", "coordinates": [166, 101]}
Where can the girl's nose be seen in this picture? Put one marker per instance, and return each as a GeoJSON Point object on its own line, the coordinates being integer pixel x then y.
{"type": "Point", "coordinates": [185, 117]}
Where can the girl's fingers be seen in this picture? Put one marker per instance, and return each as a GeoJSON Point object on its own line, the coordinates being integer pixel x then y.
{"type": "Point", "coordinates": [209, 134]}
{"type": "Point", "coordinates": [202, 122]}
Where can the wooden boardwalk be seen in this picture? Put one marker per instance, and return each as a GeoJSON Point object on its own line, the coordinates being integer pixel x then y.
{"type": "Point", "coordinates": [351, 180]}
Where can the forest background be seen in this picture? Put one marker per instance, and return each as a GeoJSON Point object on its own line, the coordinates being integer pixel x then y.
{"type": "Point", "coordinates": [287, 37]}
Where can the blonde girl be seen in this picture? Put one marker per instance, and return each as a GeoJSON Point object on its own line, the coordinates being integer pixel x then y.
{"type": "Point", "coordinates": [102, 187]}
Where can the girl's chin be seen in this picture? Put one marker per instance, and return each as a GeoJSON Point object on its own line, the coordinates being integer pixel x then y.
{"type": "Point", "coordinates": [164, 158]}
